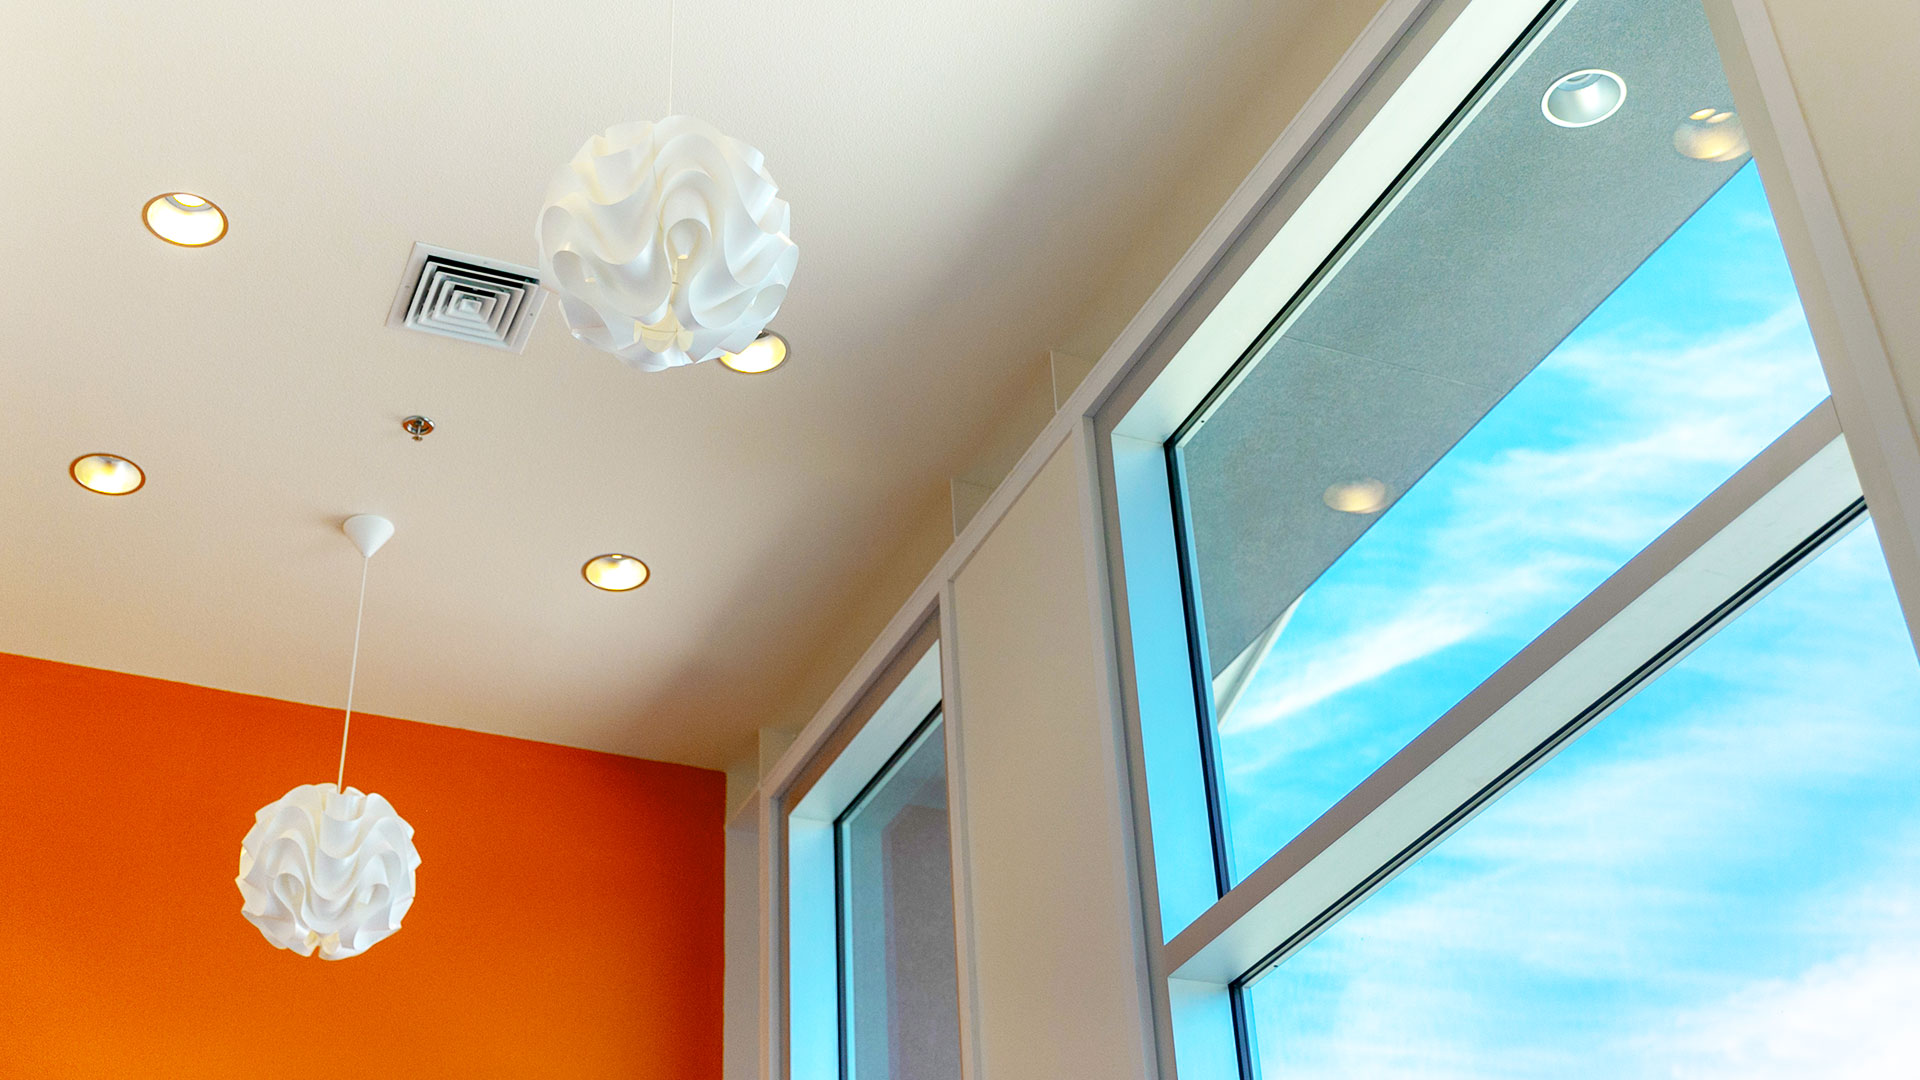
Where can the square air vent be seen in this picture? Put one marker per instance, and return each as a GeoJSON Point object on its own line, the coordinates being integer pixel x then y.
{"type": "Point", "coordinates": [485, 301]}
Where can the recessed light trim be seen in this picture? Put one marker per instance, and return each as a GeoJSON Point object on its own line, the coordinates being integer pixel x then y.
{"type": "Point", "coordinates": [107, 474]}
{"type": "Point", "coordinates": [615, 572]}
{"type": "Point", "coordinates": [767, 352]}
{"type": "Point", "coordinates": [1368, 496]}
{"type": "Point", "coordinates": [184, 219]}
{"type": "Point", "coordinates": [1583, 98]}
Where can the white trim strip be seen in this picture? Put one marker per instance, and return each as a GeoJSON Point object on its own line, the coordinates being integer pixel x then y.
{"type": "Point", "coordinates": [959, 841]}
{"type": "Point", "coordinates": [1880, 429]}
{"type": "Point", "coordinates": [1101, 599]}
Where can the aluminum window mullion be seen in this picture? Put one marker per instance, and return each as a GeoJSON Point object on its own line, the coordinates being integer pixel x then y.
{"type": "Point", "coordinates": [1203, 705]}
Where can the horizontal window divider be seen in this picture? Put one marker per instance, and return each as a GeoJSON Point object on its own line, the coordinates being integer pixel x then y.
{"type": "Point", "coordinates": [1793, 489]}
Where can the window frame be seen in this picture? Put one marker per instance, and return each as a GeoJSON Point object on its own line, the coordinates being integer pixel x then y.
{"type": "Point", "coordinates": [1198, 974]}
{"type": "Point", "coordinates": [806, 947]}
{"type": "Point", "coordinates": [843, 946]}
{"type": "Point", "coordinates": [1205, 706]}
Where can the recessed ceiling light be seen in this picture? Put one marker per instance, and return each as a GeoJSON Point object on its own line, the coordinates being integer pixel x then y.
{"type": "Point", "coordinates": [1584, 98]}
{"type": "Point", "coordinates": [1718, 136]}
{"type": "Point", "coordinates": [1702, 114]}
{"type": "Point", "coordinates": [1367, 496]}
{"type": "Point", "coordinates": [107, 474]}
{"type": "Point", "coordinates": [767, 352]}
{"type": "Point", "coordinates": [184, 219]}
{"type": "Point", "coordinates": [615, 573]}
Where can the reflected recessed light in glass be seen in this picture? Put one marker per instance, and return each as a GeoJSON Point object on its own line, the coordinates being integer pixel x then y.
{"type": "Point", "coordinates": [1584, 98]}
{"type": "Point", "coordinates": [184, 219]}
{"type": "Point", "coordinates": [107, 474]}
{"type": "Point", "coordinates": [615, 573]}
{"type": "Point", "coordinates": [767, 352]}
{"type": "Point", "coordinates": [1367, 496]}
{"type": "Point", "coordinates": [1718, 136]}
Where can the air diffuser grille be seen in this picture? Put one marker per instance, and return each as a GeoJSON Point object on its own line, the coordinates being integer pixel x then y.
{"type": "Point", "coordinates": [467, 297]}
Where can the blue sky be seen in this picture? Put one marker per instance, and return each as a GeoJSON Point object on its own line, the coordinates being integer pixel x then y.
{"type": "Point", "coordinates": [1722, 878]}
{"type": "Point", "coordinates": [1697, 362]}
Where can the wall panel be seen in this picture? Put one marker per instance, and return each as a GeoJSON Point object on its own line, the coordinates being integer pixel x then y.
{"type": "Point", "coordinates": [1057, 946]}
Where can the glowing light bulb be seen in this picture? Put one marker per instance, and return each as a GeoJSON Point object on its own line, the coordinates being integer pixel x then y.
{"type": "Point", "coordinates": [1368, 496]}
{"type": "Point", "coordinates": [615, 573]}
{"type": "Point", "coordinates": [1717, 137]}
{"type": "Point", "coordinates": [184, 219]}
{"type": "Point", "coordinates": [107, 474]}
{"type": "Point", "coordinates": [767, 352]}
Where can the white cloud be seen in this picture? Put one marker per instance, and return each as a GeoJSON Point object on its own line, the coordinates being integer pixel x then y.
{"type": "Point", "coordinates": [1849, 1019]}
{"type": "Point", "coordinates": [1297, 680]}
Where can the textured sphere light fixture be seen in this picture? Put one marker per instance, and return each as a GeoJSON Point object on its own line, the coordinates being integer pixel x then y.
{"type": "Point", "coordinates": [326, 868]}
{"type": "Point", "coordinates": [666, 243]}
{"type": "Point", "coordinates": [327, 872]}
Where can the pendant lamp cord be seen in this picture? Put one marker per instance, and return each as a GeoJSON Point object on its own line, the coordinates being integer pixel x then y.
{"type": "Point", "coordinates": [353, 672]}
{"type": "Point", "coordinates": [670, 57]}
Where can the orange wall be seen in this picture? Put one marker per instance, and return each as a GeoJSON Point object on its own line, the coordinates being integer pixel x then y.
{"type": "Point", "coordinates": [568, 922]}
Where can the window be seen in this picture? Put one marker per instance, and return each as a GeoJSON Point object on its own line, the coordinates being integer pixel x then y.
{"type": "Point", "coordinates": [1720, 879]}
{"type": "Point", "coordinates": [1349, 590]}
{"type": "Point", "coordinates": [898, 988]}
{"type": "Point", "coordinates": [1520, 689]}
{"type": "Point", "coordinates": [872, 980]}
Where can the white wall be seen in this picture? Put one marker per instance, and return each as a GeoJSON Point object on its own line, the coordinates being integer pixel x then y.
{"type": "Point", "coordinates": [1852, 64]}
{"type": "Point", "coordinates": [1828, 99]}
{"type": "Point", "coordinates": [1058, 957]}
{"type": "Point", "coordinates": [740, 1055]}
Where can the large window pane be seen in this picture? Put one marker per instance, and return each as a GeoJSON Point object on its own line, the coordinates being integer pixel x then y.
{"type": "Point", "coordinates": [1549, 346]}
{"type": "Point", "coordinates": [1721, 879]}
{"type": "Point", "coordinates": [899, 983]}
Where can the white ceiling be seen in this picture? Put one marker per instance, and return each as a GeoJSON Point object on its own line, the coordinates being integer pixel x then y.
{"type": "Point", "coordinates": [963, 179]}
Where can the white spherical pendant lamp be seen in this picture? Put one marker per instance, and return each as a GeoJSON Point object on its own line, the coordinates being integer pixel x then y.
{"type": "Point", "coordinates": [326, 872]}
{"type": "Point", "coordinates": [666, 243]}
{"type": "Point", "coordinates": [326, 868]}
